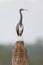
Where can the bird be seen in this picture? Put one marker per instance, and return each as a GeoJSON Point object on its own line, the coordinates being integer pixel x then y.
{"type": "Point", "coordinates": [20, 26]}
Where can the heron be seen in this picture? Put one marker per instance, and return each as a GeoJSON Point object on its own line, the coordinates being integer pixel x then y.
{"type": "Point", "coordinates": [20, 26]}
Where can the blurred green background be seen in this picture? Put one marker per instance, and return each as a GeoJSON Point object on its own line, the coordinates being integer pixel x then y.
{"type": "Point", "coordinates": [35, 53]}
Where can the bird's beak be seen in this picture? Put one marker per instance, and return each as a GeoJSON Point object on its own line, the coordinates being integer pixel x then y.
{"type": "Point", "coordinates": [25, 9]}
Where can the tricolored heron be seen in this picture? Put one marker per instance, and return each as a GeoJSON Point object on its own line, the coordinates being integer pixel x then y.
{"type": "Point", "coordinates": [19, 26]}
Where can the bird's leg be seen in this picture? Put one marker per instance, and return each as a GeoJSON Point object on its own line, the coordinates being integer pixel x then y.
{"type": "Point", "coordinates": [21, 38]}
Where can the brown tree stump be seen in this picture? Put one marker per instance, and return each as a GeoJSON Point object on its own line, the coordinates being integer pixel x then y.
{"type": "Point", "coordinates": [19, 56]}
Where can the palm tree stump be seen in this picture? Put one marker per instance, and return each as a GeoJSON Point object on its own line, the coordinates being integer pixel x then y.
{"type": "Point", "coordinates": [19, 56]}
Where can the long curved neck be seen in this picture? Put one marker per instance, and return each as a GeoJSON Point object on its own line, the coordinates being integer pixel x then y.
{"type": "Point", "coordinates": [21, 17]}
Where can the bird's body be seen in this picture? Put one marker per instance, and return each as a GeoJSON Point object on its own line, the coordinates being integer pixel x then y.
{"type": "Point", "coordinates": [19, 29]}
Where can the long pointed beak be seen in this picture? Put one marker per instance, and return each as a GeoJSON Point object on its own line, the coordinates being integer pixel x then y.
{"type": "Point", "coordinates": [25, 9]}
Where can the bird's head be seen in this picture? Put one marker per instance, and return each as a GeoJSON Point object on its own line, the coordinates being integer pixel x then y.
{"type": "Point", "coordinates": [23, 9]}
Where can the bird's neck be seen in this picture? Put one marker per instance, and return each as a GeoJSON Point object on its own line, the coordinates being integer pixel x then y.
{"type": "Point", "coordinates": [21, 17]}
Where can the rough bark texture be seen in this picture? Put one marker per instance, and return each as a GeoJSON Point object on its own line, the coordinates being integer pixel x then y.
{"type": "Point", "coordinates": [19, 56]}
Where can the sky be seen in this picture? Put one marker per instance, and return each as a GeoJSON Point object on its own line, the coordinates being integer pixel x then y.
{"type": "Point", "coordinates": [32, 20]}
